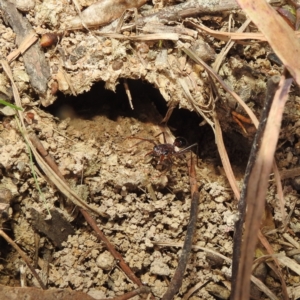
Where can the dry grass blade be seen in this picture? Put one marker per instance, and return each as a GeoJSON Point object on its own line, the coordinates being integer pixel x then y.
{"type": "Point", "coordinates": [159, 28]}
{"type": "Point", "coordinates": [44, 153]}
{"type": "Point", "coordinates": [28, 41]}
{"type": "Point", "coordinates": [60, 184]}
{"type": "Point", "coordinates": [192, 290]}
{"type": "Point", "coordinates": [189, 96]}
{"type": "Point", "coordinates": [218, 133]}
{"type": "Point", "coordinates": [213, 74]}
{"type": "Point", "coordinates": [220, 143]}
{"type": "Point", "coordinates": [225, 50]}
{"type": "Point", "coordinates": [235, 36]}
{"type": "Point", "coordinates": [280, 192]}
{"type": "Point", "coordinates": [257, 188]}
{"type": "Point", "coordinates": [280, 36]}
{"type": "Point", "coordinates": [271, 88]}
{"type": "Point", "coordinates": [176, 281]}
{"type": "Point", "coordinates": [216, 127]}
{"type": "Point", "coordinates": [290, 263]}
{"type": "Point", "coordinates": [276, 266]}
{"type": "Point", "coordinates": [253, 118]}
{"type": "Point", "coordinates": [263, 288]}
{"type": "Point", "coordinates": [77, 7]}
{"type": "Point", "coordinates": [168, 244]}
{"type": "Point", "coordinates": [225, 159]}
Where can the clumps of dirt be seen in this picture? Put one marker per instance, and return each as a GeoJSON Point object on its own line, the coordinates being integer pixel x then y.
{"type": "Point", "coordinates": [145, 206]}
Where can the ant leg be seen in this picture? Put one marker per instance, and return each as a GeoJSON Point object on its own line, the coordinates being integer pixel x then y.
{"type": "Point", "coordinates": [149, 153]}
{"type": "Point", "coordinates": [164, 135]}
{"type": "Point", "coordinates": [147, 140]}
{"type": "Point", "coordinates": [162, 157]}
{"type": "Point", "coordinates": [142, 140]}
{"type": "Point", "coordinates": [186, 149]}
{"type": "Point", "coordinates": [166, 163]}
{"type": "Point", "coordinates": [182, 151]}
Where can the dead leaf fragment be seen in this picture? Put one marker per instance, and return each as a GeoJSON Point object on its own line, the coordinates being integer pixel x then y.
{"type": "Point", "coordinates": [280, 36]}
{"type": "Point", "coordinates": [103, 12]}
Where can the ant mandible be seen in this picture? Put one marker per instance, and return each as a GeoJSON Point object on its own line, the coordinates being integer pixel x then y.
{"type": "Point", "coordinates": [166, 151]}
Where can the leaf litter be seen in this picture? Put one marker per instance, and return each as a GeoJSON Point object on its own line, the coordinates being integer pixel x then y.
{"type": "Point", "coordinates": [144, 205]}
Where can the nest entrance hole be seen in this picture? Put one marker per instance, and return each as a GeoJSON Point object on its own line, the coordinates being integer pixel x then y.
{"type": "Point", "coordinates": [113, 105]}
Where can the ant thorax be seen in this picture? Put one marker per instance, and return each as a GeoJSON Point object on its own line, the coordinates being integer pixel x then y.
{"type": "Point", "coordinates": [163, 149]}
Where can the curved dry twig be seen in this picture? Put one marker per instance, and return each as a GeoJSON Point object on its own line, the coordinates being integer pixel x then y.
{"type": "Point", "coordinates": [176, 281]}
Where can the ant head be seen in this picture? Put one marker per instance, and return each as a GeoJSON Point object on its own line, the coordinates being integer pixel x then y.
{"type": "Point", "coordinates": [180, 142]}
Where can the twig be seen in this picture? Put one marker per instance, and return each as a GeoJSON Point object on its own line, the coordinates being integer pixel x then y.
{"type": "Point", "coordinates": [229, 45]}
{"type": "Point", "coordinates": [255, 190]}
{"type": "Point", "coordinates": [176, 281]}
{"type": "Point", "coordinates": [237, 240]}
{"type": "Point", "coordinates": [176, 13]}
{"type": "Point", "coordinates": [24, 257]}
{"type": "Point", "coordinates": [180, 11]}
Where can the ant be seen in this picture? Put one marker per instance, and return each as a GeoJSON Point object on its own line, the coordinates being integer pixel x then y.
{"type": "Point", "coordinates": [165, 151]}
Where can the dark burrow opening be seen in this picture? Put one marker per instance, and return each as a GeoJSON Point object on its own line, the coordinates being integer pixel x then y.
{"type": "Point", "coordinates": [183, 123]}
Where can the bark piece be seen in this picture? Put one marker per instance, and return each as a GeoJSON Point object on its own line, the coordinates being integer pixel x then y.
{"type": "Point", "coordinates": [34, 58]}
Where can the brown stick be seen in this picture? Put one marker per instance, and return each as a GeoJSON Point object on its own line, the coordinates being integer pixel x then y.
{"type": "Point", "coordinates": [258, 183]}
{"type": "Point", "coordinates": [176, 281]}
{"type": "Point", "coordinates": [237, 240]}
